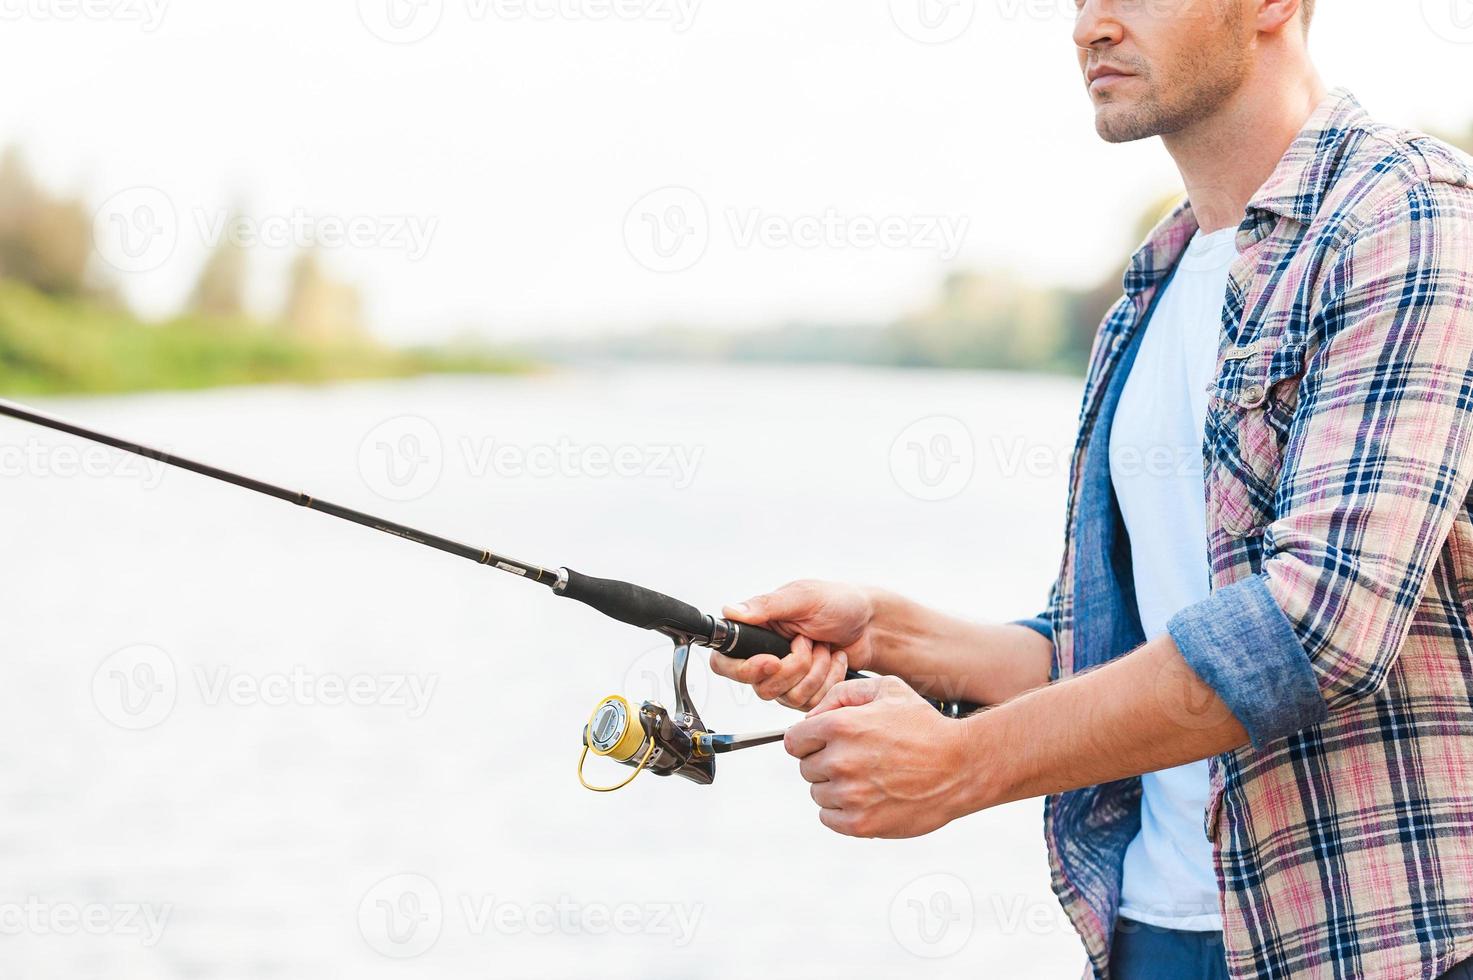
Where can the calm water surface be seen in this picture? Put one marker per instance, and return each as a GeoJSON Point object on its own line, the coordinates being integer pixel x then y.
{"type": "Point", "coordinates": [243, 740]}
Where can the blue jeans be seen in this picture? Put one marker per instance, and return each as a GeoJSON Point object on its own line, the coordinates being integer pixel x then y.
{"type": "Point", "coordinates": [1142, 952]}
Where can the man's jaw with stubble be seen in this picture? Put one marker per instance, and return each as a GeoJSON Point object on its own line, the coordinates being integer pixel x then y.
{"type": "Point", "coordinates": [1160, 103]}
{"type": "Point", "coordinates": [1122, 93]}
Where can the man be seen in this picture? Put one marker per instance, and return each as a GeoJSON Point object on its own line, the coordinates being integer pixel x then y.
{"type": "Point", "coordinates": [1296, 611]}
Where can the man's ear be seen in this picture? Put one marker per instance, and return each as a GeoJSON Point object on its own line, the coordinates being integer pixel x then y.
{"type": "Point", "coordinates": [1274, 16]}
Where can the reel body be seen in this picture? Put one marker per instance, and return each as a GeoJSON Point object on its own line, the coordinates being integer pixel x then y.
{"type": "Point", "coordinates": [667, 743]}
{"type": "Point", "coordinates": [647, 738]}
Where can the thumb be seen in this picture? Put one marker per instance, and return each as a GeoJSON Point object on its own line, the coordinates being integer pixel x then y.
{"type": "Point", "coordinates": [769, 607]}
{"type": "Point", "coordinates": [848, 694]}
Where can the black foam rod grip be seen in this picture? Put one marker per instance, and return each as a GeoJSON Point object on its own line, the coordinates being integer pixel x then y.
{"type": "Point", "coordinates": [635, 605]}
{"type": "Point", "coordinates": [752, 640]}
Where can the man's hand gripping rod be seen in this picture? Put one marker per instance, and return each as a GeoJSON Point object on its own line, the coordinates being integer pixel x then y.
{"type": "Point", "coordinates": [673, 743]}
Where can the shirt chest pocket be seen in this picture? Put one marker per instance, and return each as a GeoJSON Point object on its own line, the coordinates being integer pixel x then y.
{"type": "Point", "coordinates": [1249, 413]}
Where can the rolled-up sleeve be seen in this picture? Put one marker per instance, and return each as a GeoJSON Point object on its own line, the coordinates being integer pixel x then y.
{"type": "Point", "coordinates": [1377, 465]}
{"type": "Point", "coordinates": [1040, 624]}
{"type": "Point", "coordinates": [1043, 625]}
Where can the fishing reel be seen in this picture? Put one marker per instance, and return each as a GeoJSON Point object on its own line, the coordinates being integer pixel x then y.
{"type": "Point", "coordinates": [664, 742]}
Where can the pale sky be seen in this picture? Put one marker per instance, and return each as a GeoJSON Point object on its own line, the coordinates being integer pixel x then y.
{"type": "Point", "coordinates": [826, 160]}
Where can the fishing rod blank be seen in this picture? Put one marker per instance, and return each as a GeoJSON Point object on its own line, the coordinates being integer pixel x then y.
{"type": "Point", "coordinates": [623, 601]}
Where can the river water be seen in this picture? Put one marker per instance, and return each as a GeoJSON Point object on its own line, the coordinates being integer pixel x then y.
{"type": "Point", "coordinates": [243, 740]}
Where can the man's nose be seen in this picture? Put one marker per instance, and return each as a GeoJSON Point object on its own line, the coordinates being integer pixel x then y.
{"type": "Point", "coordinates": [1096, 25]}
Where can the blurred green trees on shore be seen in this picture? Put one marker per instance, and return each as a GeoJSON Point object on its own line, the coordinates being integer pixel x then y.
{"type": "Point", "coordinates": [64, 327]}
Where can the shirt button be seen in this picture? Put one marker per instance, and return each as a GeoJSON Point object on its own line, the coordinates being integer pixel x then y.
{"type": "Point", "coordinates": [1252, 396]}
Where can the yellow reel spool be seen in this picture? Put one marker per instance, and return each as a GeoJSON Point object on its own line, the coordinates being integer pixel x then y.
{"type": "Point", "coordinates": [614, 730]}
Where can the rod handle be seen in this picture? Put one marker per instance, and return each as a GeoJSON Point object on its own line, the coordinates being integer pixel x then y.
{"type": "Point", "coordinates": [752, 640]}
{"type": "Point", "coordinates": [651, 610]}
{"type": "Point", "coordinates": [634, 604]}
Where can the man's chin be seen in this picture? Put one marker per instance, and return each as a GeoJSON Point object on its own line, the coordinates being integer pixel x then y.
{"type": "Point", "coordinates": [1119, 123]}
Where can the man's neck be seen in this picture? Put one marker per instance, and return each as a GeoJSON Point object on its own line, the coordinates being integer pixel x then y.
{"type": "Point", "coordinates": [1225, 158]}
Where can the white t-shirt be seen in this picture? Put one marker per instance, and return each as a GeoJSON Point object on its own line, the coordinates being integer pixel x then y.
{"type": "Point", "coordinates": [1156, 467]}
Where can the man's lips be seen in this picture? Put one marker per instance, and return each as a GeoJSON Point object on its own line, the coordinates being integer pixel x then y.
{"type": "Point", "coordinates": [1102, 76]}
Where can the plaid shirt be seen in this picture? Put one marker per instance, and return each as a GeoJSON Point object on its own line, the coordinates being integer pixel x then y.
{"type": "Point", "coordinates": [1337, 461]}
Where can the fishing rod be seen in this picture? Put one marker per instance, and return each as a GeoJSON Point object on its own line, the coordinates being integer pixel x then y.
{"type": "Point", "coordinates": [663, 741]}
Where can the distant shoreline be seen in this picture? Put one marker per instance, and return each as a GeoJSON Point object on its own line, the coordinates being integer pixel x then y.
{"type": "Point", "coordinates": [51, 345]}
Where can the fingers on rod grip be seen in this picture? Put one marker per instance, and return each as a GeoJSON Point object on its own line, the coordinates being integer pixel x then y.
{"type": "Point", "coordinates": [752, 640]}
